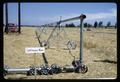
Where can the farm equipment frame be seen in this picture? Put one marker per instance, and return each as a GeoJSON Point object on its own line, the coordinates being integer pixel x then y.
{"type": "Point", "coordinates": [77, 64]}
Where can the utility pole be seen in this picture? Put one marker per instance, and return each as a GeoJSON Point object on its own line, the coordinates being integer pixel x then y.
{"type": "Point", "coordinates": [6, 14]}
{"type": "Point", "coordinates": [19, 18]}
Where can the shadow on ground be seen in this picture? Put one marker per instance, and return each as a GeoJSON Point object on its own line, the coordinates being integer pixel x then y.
{"type": "Point", "coordinates": [104, 33]}
{"type": "Point", "coordinates": [106, 61]}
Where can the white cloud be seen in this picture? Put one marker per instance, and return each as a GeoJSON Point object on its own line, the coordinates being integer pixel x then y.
{"type": "Point", "coordinates": [101, 15]}
{"type": "Point", "coordinates": [90, 16]}
{"type": "Point", "coordinates": [93, 16]}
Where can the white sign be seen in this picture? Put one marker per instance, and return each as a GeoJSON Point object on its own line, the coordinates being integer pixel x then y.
{"type": "Point", "coordinates": [35, 50]}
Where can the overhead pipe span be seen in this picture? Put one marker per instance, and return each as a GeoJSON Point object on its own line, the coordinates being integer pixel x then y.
{"type": "Point", "coordinates": [82, 16]}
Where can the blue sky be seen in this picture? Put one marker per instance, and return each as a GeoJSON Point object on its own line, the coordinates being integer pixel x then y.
{"type": "Point", "coordinates": [42, 13]}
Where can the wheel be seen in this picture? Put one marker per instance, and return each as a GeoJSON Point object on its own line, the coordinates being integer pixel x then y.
{"type": "Point", "coordinates": [50, 72]}
{"type": "Point", "coordinates": [81, 69]}
{"type": "Point", "coordinates": [76, 63]}
{"type": "Point", "coordinates": [39, 72]}
{"type": "Point", "coordinates": [44, 71]}
{"type": "Point", "coordinates": [4, 72]}
{"type": "Point", "coordinates": [30, 72]}
{"type": "Point", "coordinates": [55, 68]}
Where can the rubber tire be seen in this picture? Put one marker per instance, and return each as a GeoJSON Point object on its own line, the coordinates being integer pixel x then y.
{"type": "Point", "coordinates": [81, 69]}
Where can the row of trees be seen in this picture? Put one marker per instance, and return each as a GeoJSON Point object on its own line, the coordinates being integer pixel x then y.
{"type": "Point", "coordinates": [100, 24]}
{"type": "Point", "coordinates": [96, 24]}
{"type": "Point", "coordinates": [70, 25]}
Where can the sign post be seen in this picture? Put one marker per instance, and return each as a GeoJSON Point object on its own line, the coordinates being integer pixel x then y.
{"type": "Point", "coordinates": [35, 50]}
{"type": "Point", "coordinates": [35, 64]}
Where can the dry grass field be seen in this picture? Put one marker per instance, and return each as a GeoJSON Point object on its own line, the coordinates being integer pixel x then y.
{"type": "Point", "coordinates": [100, 53]}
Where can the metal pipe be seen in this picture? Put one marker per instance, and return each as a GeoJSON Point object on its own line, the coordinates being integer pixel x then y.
{"type": "Point", "coordinates": [17, 69]}
{"type": "Point", "coordinates": [43, 54]}
{"type": "Point", "coordinates": [68, 69]}
{"type": "Point", "coordinates": [66, 20]}
{"type": "Point", "coordinates": [70, 19]}
{"type": "Point", "coordinates": [82, 17]}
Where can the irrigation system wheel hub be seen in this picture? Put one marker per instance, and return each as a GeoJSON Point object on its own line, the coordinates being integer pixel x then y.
{"type": "Point", "coordinates": [81, 69]}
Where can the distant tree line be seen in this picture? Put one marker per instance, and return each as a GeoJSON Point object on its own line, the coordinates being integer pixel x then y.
{"type": "Point", "coordinates": [95, 25]}
{"type": "Point", "coordinates": [100, 24]}
{"type": "Point", "coordinates": [70, 25]}
{"type": "Point", "coordinates": [86, 25]}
